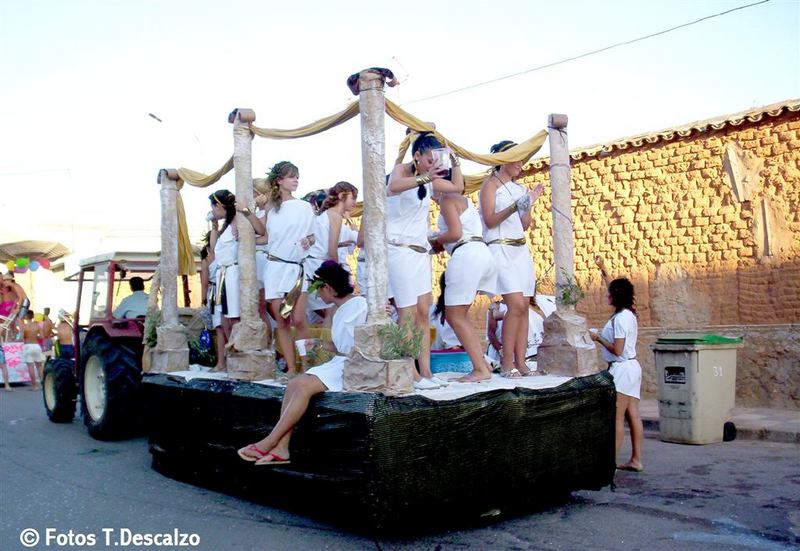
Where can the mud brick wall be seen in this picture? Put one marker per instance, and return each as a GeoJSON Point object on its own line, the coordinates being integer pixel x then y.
{"type": "Point", "coordinates": [705, 221]}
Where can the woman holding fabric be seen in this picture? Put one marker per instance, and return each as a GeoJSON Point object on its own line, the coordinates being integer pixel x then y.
{"type": "Point", "coordinates": [506, 212]}
{"type": "Point", "coordinates": [469, 271]}
{"type": "Point", "coordinates": [409, 191]}
{"type": "Point", "coordinates": [225, 244]}
{"type": "Point", "coordinates": [290, 233]}
{"type": "Point", "coordinates": [339, 201]}
{"type": "Point", "coordinates": [333, 287]}
{"type": "Point", "coordinates": [618, 342]}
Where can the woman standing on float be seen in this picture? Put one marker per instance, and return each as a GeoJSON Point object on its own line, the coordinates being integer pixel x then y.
{"type": "Point", "coordinates": [409, 193]}
{"type": "Point", "coordinates": [470, 270]}
{"type": "Point", "coordinates": [506, 212]}
{"type": "Point", "coordinates": [328, 226]}
{"type": "Point", "coordinates": [290, 233]}
{"type": "Point", "coordinates": [224, 243]}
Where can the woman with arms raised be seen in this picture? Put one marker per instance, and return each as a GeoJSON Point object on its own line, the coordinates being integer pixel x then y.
{"type": "Point", "coordinates": [409, 191]}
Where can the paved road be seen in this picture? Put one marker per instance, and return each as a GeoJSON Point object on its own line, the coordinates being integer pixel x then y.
{"type": "Point", "coordinates": [739, 495]}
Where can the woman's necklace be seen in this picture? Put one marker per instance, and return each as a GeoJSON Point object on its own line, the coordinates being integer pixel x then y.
{"type": "Point", "coordinates": [505, 187]}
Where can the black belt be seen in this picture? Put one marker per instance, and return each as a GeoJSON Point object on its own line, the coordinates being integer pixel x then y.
{"type": "Point", "coordinates": [473, 239]}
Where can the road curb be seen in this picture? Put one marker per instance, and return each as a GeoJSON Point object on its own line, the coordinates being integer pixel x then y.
{"type": "Point", "coordinates": [744, 433]}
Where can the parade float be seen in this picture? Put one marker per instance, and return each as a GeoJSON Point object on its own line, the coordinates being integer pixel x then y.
{"type": "Point", "coordinates": [391, 457]}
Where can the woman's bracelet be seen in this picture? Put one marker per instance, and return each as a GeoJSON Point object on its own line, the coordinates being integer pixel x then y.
{"type": "Point", "coordinates": [454, 161]}
{"type": "Point", "coordinates": [423, 180]}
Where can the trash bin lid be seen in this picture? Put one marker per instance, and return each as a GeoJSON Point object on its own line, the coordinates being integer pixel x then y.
{"type": "Point", "coordinates": [696, 338]}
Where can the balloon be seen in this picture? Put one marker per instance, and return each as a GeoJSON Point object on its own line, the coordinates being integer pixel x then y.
{"type": "Point", "coordinates": [11, 265]}
{"type": "Point", "coordinates": [20, 270]}
{"type": "Point", "coordinates": [44, 263]}
{"type": "Point", "coordinates": [22, 262]}
{"type": "Point", "coordinates": [33, 265]}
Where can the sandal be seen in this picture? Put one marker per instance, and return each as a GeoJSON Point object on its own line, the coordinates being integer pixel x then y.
{"type": "Point", "coordinates": [274, 459]}
{"type": "Point", "coordinates": [512, 373]}
{"type": "Point", "coordinates": [253, 450]}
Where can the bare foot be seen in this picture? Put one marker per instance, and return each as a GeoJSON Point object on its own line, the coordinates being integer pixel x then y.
{"type": "Point", "coordinates": [475, 377]}
{"type": "Point", "coordinates": [274, 457]}
{"type": "Point", "coordinates": [7, 388]}
{"type": "Point", "coordinates": [219, 369]}
{"type": "Point", "coordinates": [631, 466]}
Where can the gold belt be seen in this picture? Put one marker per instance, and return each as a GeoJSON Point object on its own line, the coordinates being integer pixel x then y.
{"type": "Point", "coordinates": [416, 248]}
{"type": "Point", "coordinates": [519, 242]}
{"type": "Point", "coordinates": [290, 300]}
{"type": "Point", "coordinates": [223, 268]}
{"type": "Point", "coordinates": [462, 242]}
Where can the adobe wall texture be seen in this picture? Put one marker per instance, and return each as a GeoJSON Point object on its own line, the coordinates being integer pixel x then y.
{"type": "Point", "coordinates": [706, 223]}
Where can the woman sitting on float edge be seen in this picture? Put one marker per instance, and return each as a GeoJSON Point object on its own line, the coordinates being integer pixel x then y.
{"type": "Point", "coordinates": [408, 200]}
{"type": "Point", "coordinates": [333, 287]}
{"type": "Point", "coordinates": [618, 341]}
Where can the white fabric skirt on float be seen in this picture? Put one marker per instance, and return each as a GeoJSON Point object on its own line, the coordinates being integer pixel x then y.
{"type": "Point", "coordinates": [515, 272]}
{"type": "Point", "coordinates": [409, 275]}
{"type": "Point", "coordinates": [279, 278]}
{"type": "Point", "coordinates": [470, 270]}
{"type": "Point", "coordinates": [231, 291]}
{"type": "Point", "coordinates": [330, 373]}
{"type": "Point", "coordinates": [627, 377]}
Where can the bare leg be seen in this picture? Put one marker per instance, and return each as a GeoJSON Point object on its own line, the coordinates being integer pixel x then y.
{"type": "Point", "coordinates": [283, 333]}
{"type": "Point", "coordinates": [457, 318]}
{"type": "Point", "coordinates": [40, 370]}
{"type": "Point", "coordinates": [637, 435]}
{"type": "Point", "coordinates": [6, 383]}
{"type": "Point", "coordinates": [512, 326]}
{"type": "Point", "coordinates": [619, 422]}
{"type": "Point", "coordinates": [221, 341]}
{"type": "Point", "coordinates": [423, 322]}
{"type": "Point", "coordinates": [298, 317]}
{"type": "Point", "coordinates": [32, 375]}
{"type": "Point", "coordinates": [521, 344]}
{"type": "Point", "coordinates": [299, 392]}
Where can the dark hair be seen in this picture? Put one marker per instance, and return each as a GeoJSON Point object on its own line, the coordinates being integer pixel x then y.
{"type": "Point", "coordinates": [29, 314]}
{"type": "Point", "coordinates": [283, 169]}
{"type": "Point", "coordinates": [332, 273]}
{"type": "Point", "coordinates": [426, 141]}
{"type": "Point", "coordinates": [439, 310]}
{"type": "Point", "coordinates": [136, 283]}
{"type": "Point", "coordinates": [228, 201]}
{"type": "Point", "coordinates": [205, 241]}
{"type": "Point", "coordinates": [499, 147]}
{"type": "Point", "coordinates": [332, 197]}
{"type": "Point", "coordinates": [622, 294]}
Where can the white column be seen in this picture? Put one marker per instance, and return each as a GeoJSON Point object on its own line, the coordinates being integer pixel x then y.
{"type": "Point", "coordinates": [560, 179]}
{"type": "Point", "coordinates": [373, 160]}
{"type": "Point", "coordinates": [168, 179]}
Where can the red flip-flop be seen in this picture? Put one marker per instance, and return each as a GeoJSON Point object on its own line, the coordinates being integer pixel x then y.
{"type": "Point", "coordinates": [275, 460]}
{"type": "Point", "coordinates": [253, 449]}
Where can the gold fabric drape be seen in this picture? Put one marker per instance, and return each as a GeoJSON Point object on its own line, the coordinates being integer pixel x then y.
{"type": "Point", "coordinates": [198, 179]}
{"type": "Point", "coordinates": [186, 263]}
{"type": "Point", "coordinates": [310, 129]}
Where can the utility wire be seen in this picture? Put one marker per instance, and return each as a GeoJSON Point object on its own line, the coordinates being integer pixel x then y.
{"type": "Point", "coordinates": [587, 54]}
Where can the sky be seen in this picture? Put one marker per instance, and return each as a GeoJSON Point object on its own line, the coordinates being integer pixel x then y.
{"type": "Point", "coordinates": [80, 155]}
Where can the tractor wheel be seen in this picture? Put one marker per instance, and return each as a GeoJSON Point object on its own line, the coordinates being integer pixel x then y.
{"type": "Point", "coordinates": [111, 378]}
{"type": "Point", "coordinates": [59, 390]}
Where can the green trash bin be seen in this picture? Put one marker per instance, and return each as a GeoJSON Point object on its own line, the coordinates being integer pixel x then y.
{"type": "Point", "coordinates": [696, 386]}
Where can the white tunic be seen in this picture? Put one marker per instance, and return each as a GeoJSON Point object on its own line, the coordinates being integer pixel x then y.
{"type": "Point", "coordinates": [471, 268]}
{"type": "Point", "coordinates": [285, 229]}
{"type": "Point", "coordinates": [407, 224]}
{"type": "Point", "coordinates": [226, 256]}
{"type": "Point", "coordinates": [317, 254]}
{"type": "Point", "coordinates": [535, 333]}
{"type": "Point", "coordinates": [261, 254]}
{"type": "Point", "coordinates": [625, 368]}
{"type": "Point", "coordinates": [347, 234]}
{"type": "Point", "coordinates": [515, 271]}
{"type": "Point", "coordinates": [347, 316]}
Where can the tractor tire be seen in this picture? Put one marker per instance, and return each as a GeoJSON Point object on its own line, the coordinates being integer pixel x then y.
{"type": "Point", "coordinates": [111, 378]}
{"type": "Point", "coordinates": [59, 390]}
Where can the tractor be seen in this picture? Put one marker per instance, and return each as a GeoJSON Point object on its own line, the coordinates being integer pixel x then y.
{"type": "Point", "coordinates": [106, 372]}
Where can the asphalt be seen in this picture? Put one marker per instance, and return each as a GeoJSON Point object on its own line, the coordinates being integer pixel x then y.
{"type": "Point", "coordinates": [770, 424]}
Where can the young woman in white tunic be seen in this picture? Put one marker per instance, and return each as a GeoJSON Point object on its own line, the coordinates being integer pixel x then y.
{"type": "Point", "coordinates": [338, 203]}
{"type": "Point", "coordinates": [335, 288]}
{"type": "Point", "coordinates": [290, 233]}
{"type": "Point", "coordinates": [407, 222]}
{"type": "Point", "coordinates": [618, 342]}
{"type": "Point", "coordinates": [505, 209]}
{"type": "Point", "coordinates": [469, 271]}
{"type": "Point", "coordinates": [225, 244]}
